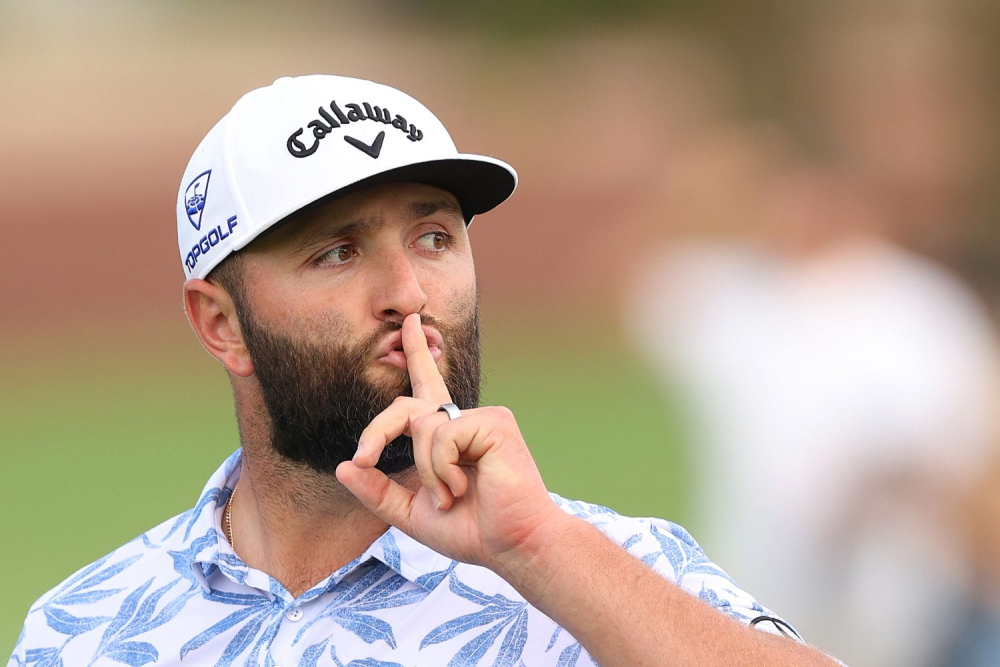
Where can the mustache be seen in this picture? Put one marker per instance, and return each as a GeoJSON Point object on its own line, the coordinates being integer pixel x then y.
{"type": "Point", "coordinates": [369, 344]}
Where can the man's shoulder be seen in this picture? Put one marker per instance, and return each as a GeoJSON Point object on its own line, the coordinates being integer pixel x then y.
{"type": "Point", "coordinates": [155, 545]}
{"type": "Point", "coordinates": [628, 530]}
{"type": "Point", "coordinates": [670, 550]}
{"type": "Point", "coordinates": [96, 593]}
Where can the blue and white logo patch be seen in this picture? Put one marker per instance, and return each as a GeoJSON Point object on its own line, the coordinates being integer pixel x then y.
{"type": "Point", "coordinates": [194, 198]}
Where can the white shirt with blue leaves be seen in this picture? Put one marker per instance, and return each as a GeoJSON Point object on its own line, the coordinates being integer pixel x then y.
{"type": "Point", "coordinates": [180, 595]}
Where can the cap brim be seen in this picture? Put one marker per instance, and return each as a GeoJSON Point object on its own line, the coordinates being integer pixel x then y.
{"type": "Point", "coordinates": [480, 183]}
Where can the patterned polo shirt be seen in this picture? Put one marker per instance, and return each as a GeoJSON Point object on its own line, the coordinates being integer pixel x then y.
{"type": "Point", "coordinates": [178, 594]}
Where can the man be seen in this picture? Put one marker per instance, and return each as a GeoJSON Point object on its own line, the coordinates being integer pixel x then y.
{"type": "Point", "coordinates": [374, 515]}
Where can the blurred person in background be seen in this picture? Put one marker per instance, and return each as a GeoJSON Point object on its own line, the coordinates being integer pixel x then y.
{"type": "Point", "coordinates": [978, 642]}
{"type": "Point", "coordinates": [845, 387]}
{"type": "Point", "coordinates": [846, 392]}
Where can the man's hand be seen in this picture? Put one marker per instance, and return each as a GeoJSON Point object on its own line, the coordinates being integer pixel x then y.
{"type": "Point", "coordinates": [481, 498]}
{"type": "Point", "coordinates": [482, 501]}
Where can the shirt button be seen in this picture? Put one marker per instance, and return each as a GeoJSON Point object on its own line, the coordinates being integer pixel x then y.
{"type": "Point", "coordinates": [294, 614]}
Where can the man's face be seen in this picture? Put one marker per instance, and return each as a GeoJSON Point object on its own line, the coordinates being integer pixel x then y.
{"type": "Point", "coordinates": [325, 296]}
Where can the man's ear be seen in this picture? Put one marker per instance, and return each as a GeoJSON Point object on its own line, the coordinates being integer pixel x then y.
{"type": "Point", "coordinates": [212, 315]}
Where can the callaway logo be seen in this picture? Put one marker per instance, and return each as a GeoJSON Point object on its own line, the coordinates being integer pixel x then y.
{"type": "Point", "coordinates": [326, 123]}
{"type": "Point", "coordinates": [194, 198]}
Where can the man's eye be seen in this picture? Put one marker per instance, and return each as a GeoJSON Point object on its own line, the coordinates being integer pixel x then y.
{"type": "Point", "coordinates": [338, 255]}
{"type": "Point", "coordinates": [435, 241]}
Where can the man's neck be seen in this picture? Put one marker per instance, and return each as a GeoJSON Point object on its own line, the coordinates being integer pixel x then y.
{"type": "Point", "coordinates": [296, 524]}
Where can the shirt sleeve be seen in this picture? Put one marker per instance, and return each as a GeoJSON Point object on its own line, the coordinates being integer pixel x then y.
{"type": "Point", "coordinates": [19, 658]}
{"type": "Point", "coordinates": [671, 551]}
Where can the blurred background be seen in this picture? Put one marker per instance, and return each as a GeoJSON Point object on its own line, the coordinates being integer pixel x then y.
{"type": "Point", "coordinates": [749, 281]}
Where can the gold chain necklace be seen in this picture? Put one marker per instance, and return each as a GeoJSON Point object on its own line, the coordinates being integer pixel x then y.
{"type": "Point", "coordinates": [229, 517]}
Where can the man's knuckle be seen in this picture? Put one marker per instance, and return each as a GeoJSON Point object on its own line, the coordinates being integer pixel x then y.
{"type": "Point", "coordinates": [502, 412]}
{"type": "Point", "coordinates": [423, 425]}
{"type": "Point", "coordinates": [442, 432]}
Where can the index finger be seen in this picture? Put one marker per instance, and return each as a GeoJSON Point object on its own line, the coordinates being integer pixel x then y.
{"type": "Point", "coordinates": [425, 378]}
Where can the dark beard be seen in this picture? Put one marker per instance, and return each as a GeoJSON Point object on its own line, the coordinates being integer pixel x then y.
{"type": "Point", "coordinates": [320, 401]}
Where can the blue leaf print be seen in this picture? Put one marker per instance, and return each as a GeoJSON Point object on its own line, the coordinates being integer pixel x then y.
{"type": "Point", "coordinates": [265, 639]}
{"type": "Point", "coordinates": [184, 559]}
{"type": "Point", "coordinates": [361, 585]}
{"type": "Point", "coordinates": [391, 551]}
{"type": "Point", "coordinates": [681, 534]}
{"type": "Point", "coordinates": [211, 496]}
{"type": "Point", "coordinates": [570, 655]}
{"type": "Point", "coordinates": [241, 641]}
{"type": "Point", "coordinates": [513, 641]}
{"type": "Point", "coordinates": [126, 626]}
{"type": "Point", "coordinates": [240, 599]}
{"type": "Point", "coordinates": [701, 565]}
{"type": "Point", "coordinates": [349, 604]}
{"type": "Point", "coordinates": [174, 607]}
{"type": "Point", "coordinates": [311, 656]}
{"type": "Point", "coordinates": [386, 587]}
{"type": "Point", "coordinates": [87, 571]}
{"type": "Point", "coordinates": [650, 559]}
{"type": "Point", "coordinates": [431, 580]}
{"type": "Point", "coordinates": [472, 653]}
{"type": "Point", "coordinates": [41, 654]}
{"type": "Point", "coordinates": [141, 623]}
{"type": "Point", "coordinates": [411, 596]}
{"type": "Point", "coordinates": [217, 629]}
{"type": "Point", "coordinates": [68, 624]}
{"type": "Point", "coordinates": [44, 657]}
{"type": "Point", "coordinates": [233, 568]}
{"type": "Point", "coordinates": [469, 593]}
{"type": "Point", "coordinates": [456, 626]}
{"type": "Point", "coordinates": [85, 597]}
{"type": "Point", "coordinates": [632, 541]}
{"type": "Point", "coordinates": [125, 613]}
{"type": "Point", "coordinates": [133, 653]}
{"type": "Point", "coordinates": [555, 636]}
{"type": "Point", "coordinates": [673, 550]}
{"type": "Point", "coordinates": [276, 589]}
{"type": "Point", "coordinates": [368, 628]}
{"type": "Point", "coordinates": [581, 509]}
{"type": "Point", "coordinates": [362, 662]}
{"type": "Point", "coordinates": [106, 573]}
{"type": "Point", "coordinates": [710, 596]}
{"type": "Point", "coordinates": [173, 529]}
{"type": "Point", "coordinates": [233, 562]}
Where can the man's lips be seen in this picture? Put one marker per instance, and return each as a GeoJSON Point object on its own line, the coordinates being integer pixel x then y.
{"type": "Point", "coordinates": [391, 350]}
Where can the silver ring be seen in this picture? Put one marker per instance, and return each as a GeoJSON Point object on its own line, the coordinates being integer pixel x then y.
{"type": "Point", "coordinates": [451, 409]}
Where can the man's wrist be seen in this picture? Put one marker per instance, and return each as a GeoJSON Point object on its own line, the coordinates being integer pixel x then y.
{"type": "Point", "coordinates": [532, 566]}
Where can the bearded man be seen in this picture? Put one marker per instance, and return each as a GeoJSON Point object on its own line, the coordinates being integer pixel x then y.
{"type": "Point", "coordinates": [374, 514]}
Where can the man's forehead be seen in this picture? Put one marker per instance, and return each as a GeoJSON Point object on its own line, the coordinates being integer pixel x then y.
{"type": "Point", "coordinates": [365, 211]}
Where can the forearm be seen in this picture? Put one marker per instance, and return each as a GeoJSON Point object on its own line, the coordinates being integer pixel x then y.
{"type": "Point", "coordinates": [624, 613]}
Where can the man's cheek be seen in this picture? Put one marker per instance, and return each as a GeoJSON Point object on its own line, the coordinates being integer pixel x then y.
{"type": "Point", "coordinates": [462, 304]}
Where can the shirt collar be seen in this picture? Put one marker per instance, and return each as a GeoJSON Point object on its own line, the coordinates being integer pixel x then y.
{"type": "Point", "coordinates": [209, 552]}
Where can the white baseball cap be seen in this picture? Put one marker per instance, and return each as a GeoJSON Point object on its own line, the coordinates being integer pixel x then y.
{"type": "Point", "coordinates": [287, 145]}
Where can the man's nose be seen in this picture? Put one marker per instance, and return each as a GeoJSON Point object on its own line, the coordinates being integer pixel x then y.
{"type": "Point", "coordinates": [397, 289]}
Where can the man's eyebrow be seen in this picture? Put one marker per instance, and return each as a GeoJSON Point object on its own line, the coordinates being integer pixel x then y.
{"type": "Point", "coordinates": [371, 224]}
{"type": "Point", "coordinates": [422, 209]}
{"type": "Point", "coordinates": [322, 233]}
